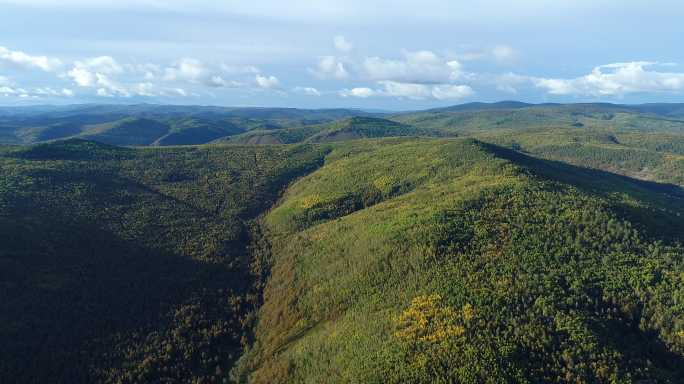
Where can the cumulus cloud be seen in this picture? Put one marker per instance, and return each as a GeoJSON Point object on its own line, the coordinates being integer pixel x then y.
{"type": "Point", "coordinates": [415, 67]}
{"type": "Point", "coordinates": [330, 67]}
{"type": "Point", "coordinates": [362, 92]}
{"type": "Point", "coordinates": [342, 44]}
{"type": "Point", "coordinates": [195, 71]}
{"type": "Point", "coordinates": [417, 75]}
{"type": "Point", "coordinates": [187, 69]}
{"type": "Point", "coordinates": [267, 82]}
{"type": "Point", "coordinates": [408, 90]}
{"type": "Point", "coordinates": [35, 93]}
{"type": "Point", "coordinates": [96, 73]}
{"type": "Point", "coordinates": [219, 81]}
{"type": "Point", "coordinates": [21, 59]}
{"type": "Point", "coordinates": [47, 91]}
{"type": "Point", "coordinates": [99, 73]}
{"type": "Point", "coordinates": [413, 91]}
{"type": "Point", "coordinates": [107, 77]}
{"type": "Point", "coordinates": [615, 80]}
{"type": "Point", "coordinates": [309, 91]}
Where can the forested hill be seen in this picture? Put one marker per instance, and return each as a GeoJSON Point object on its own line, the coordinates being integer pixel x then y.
{"type": "Point", "coordinates": [163, 125]}
{"type": "Point", "coordinates": [456, 261]}
{"type": "Point", "coordinates": [148, 124]}
{"type": "Point", "coordinates": [121, 265]}
{"type": "Point", "coordinates": [370, 260]}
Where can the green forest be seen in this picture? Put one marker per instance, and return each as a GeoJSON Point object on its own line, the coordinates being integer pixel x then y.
{"type": "Point", "coordinates": [484, 243]}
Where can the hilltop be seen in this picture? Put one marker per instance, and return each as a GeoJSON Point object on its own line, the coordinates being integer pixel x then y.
{"type": "Point", "coordinates": [352, 128]}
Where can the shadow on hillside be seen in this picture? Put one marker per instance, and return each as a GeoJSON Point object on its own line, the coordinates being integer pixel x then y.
{"type": "Point", "coordinates": [635, 345]}
{"type": "Point", "coordinates": [661, 222]}
{"type": "Point", "coordinates": [67, 286]}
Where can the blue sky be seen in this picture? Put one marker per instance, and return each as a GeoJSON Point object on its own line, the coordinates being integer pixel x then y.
{"type": "Point", "coordinates": [313, 54]}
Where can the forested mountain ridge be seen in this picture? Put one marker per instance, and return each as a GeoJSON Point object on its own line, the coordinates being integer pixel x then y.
{"type": "Point", "coordinates": [341, 130]}
{"type": "Point", "coordinates": [157, 124]}
{"type": "Point", "coordinates": [185, 125]}
{"type": "Point", "coordinates": [455, 261]}
{"type": "Point", "coordinates": [525, 252]}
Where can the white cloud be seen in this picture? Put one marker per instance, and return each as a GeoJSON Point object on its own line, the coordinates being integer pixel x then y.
{"type": "Point", "coordinates": [25, 60]}
{"type": "Point", "coordinates": [219, 81]}
{"type": "Point", "coordinates": [47, 91]}
{"type": "Point", "coordinates": [145, 89]}
{"type": "Point", "coordinates": [96, 72]}
{"type": "Point", "coordinates": [415, 67]}
{"type": "Point", "coordinates": [267, 82]}
{"type": "Point", "coordinates": [35, 93]}
{"type": "Point", "coordinates": [330, 67]}
{"type": "Point", "coordinates": [195, 71]}
{"type": "Point", "coordinates": [451, 92]}
{"type": "Point", "coordinates": [7, 91]}
{"type": "Point", "coordinates": [362, 92]}
{"type": "Point", "coordinates": [149, 71]}
{"type": "Point", "coordinates": [615, 80]}
{"type": "Point", "coordinates": [309, 91]}
{"type": "Point", "coordinates": [342, 44]}
{"type": "Point", "coordinates": [413, 91]}
{"type": "Point", "coordinates": [187, 69]}
{"type": "Point", "coordinates": [82, 77]}
{"type": "Point", "coordinates": [180, 91]}
{"type": "Point", "coordinates": [408, 90]}
{"type": "Point", "coordinates": [110, 87]}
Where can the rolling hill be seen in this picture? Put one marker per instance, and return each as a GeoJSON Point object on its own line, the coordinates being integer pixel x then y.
{"type": "Point", "coordinates": [542, 244]}
{"type": "Point", "coordinates": [384, 260]}
{"type": "Point", "coordinates": [186, 125]}
{"type": "Point", "coordinates": [158, 125]}
{"type": "Point", "coordinates": [346, 129]}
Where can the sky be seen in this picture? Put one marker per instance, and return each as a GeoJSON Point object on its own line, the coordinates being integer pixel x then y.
{"type": "Point", "coordinates": [370, 54]}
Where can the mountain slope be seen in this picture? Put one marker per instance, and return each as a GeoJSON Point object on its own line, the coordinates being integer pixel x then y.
{"type": "Point", "coordinates": [346, 129]}
{"type": "Point", "coordinates": [190, 124]}
{"type": "Point", "coordinates": [130, 265]}
{"type": "Point", "coordinates": [455, 261]}
{"type": "Point", "coordinates": [391, 260]}
{"type": "Point", "coordinates": [595, 116]}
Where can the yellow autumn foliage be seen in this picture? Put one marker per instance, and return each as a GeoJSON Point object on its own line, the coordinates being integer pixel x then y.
{"type": "Point", "coordinates": [311, 201]}
{"type": "Point", "coordinates": [427, 320]}
{"type": "Point", "coordinates": [383, 182]}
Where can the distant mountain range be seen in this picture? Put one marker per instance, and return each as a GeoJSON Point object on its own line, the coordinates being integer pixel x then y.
{"type": "Point", "coordinates": [159, 125]}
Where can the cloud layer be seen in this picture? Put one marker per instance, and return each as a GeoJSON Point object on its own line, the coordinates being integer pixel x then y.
{"type": "Point", "coordinates": [409, 75]}
{"type": "Point", "coordinates": [616, 79]}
